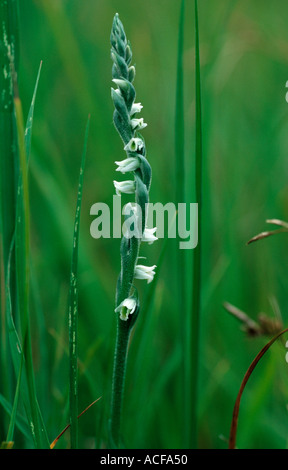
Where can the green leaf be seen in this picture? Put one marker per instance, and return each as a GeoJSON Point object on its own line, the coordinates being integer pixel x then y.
{"type": "Point", "coordinates": [197, 264]}
{"type": "Point", "coordinates": [20, 421]}
{"type": "Point", "coordinates": [29, 122]}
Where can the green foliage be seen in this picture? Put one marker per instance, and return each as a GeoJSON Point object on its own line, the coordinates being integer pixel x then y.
{"type": "Point", "coordinates": [244, 175]}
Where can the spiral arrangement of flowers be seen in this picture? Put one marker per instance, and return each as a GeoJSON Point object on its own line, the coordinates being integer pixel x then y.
{"type": "Point", "coordinates": [128, 126]}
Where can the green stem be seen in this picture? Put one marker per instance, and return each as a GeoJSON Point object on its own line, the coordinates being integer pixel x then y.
{"type": "Point", "coordinates": [118, 381]}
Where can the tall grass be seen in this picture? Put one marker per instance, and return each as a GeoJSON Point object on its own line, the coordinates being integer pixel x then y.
{"type": "Point", "coordinates": [180, 198]}
{"type": "Point", "coordinates": [189, 284]}
{"type": "Point", "coordinates": [73, 307]}
{"type": "Point", "coordinates": [22, 251]}
{"type": "Point", "coordinates": [22, 222]}
{"type": "Point", "coordinates": [197, 258]}
{"type": "Point", "coordinates": [8, 161]}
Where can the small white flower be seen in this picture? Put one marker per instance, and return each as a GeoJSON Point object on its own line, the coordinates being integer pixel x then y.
{"type": "Point", "coordinates": [127, 187]}
{"type": "Point", "coordinates": [134, 144]}
{"type": "Point", "coordinates": [138, 124]}
{"type": "Point", "coordinates": [126, 308]}
{"type": "Point", "coordinates": [129, 164]}
{"type": "Point", "coordinates": [144, 272]}
{"type": "Point", "coordinates": [136, 108]}
{"type": "Point", "coordinates": [148, 235]}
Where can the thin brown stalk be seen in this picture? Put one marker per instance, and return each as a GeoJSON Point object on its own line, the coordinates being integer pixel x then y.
{"type": "Point", "coordinates": [52, 445]}
{"type": "Point", "coordinates": [234, 424]}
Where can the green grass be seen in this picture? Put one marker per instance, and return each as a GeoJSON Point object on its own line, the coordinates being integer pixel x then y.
{"type": "Point", "coordinates": [197, 260]}
{"type": "Point", "coordinates": [180, 197]}
{"type": "Point", "coordinates": [242, 135]}
{"type": "Point", "coordinates": [73, 307]}
{"type": "Point", "coordinates": [22, 266]}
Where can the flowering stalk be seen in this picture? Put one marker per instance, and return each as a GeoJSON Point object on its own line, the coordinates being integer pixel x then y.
{"type": "Point", "coordinates": [128, 127]}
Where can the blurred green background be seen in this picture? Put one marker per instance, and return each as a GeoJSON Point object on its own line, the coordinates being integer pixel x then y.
{"type": "Point", "coordinates": [244, 67]}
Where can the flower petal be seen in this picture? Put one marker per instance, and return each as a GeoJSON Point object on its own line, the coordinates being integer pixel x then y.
{"type": "Point", "coordinates": [144, 272]}
{"type": "Point", "coordinates": [136, 108]}
{"type": "Point", "coordinates": [129, 164]}
{"type": "Point", "coordinates": [134, 145]}
{"type": "Point", "coordinates": [127, 187]}
{"type": "Point", "coordinates": [138, 124]}
{"type": "Point", "coordinates": [130, 305]}
{"type": "Point", "coordinates": [148, 235]}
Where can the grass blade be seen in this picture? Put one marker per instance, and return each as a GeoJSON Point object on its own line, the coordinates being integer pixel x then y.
{"type": "Point", "coordinates": [8, 134]}
{"type": "Point", "coordinates": [53, 444]}
{"type": "Point", "coordinates": [14, 159]}
{"type": "Point", "coordinates": [11, 428]}
{"type": "Point", "coordinates": [180, 198]}
{"type": "Point", "coordinates": [179, 117]}
{"type": "Point", "coordinates": [16, 350]}
{"type": "Point", "coordinates": [196, 294]}
{"type": "Point", "coordinates": [29, 122]}
{"type": "Point", "coordinates": [8, 168]}
{"type": "Point", "coordinates": [22, 242]}
{"type": "Point", "coordinates": [20, 421]}
{"type": "Point", "coordinates": [73, 308]}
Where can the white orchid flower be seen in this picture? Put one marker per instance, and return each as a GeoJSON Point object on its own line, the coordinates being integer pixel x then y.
{"type": "Point", "coordinates": [148, 235]}
{"type": "Point", "coordinates": [136, 108]}
{"type": "Point", "coordinates": [134, 145]}
{"type": "Point", "coordinates": [144, 272]}
{"type": "Point", "coordinates": [129, 164]}
{"type": "Point", "coordinates": [126, 308]}
{"type": "Point", "coordinates": [127, 187]}
{"type": "Point", "coordinates": [138, 124]}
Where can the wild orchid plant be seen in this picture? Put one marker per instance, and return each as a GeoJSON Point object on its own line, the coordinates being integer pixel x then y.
{"type": "Point", "coordinates": [128, 126]}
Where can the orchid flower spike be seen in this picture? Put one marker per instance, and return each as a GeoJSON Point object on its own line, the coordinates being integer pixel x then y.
{"type": "Point", "coordinates": [127, 125]}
